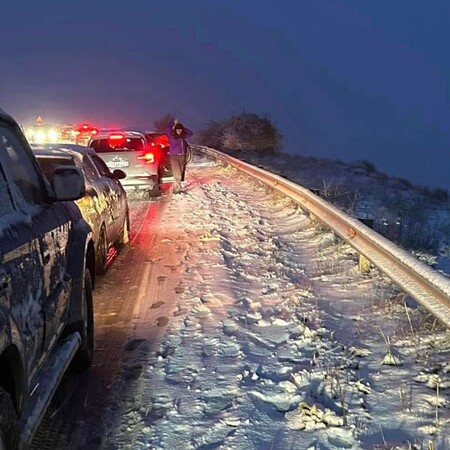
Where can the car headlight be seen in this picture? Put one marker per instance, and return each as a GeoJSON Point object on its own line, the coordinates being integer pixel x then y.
{"type": "Point", "coordinates": [52, 135]}
{"type": "Point", "coordinates": [39, 137]}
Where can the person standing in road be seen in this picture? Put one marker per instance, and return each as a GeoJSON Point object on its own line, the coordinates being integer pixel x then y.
{"type": "Point", "coordinates": [177, 134]}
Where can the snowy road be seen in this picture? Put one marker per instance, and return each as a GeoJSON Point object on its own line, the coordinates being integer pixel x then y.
{"type": "Point", "coordinates": [232, 321]}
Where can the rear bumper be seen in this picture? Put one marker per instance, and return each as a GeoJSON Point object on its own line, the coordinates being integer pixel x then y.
{"type": "Point", "coordinates": [133, 183]}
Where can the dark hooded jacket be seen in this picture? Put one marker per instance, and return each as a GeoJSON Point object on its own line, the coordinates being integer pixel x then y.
{"type": "Point", "coordinates": [178, 142]}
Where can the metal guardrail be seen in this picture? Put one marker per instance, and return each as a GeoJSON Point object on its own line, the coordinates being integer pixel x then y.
{"type": "Point", "coordinates": [426, 285]}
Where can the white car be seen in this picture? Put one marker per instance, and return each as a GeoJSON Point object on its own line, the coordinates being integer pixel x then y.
{"type": "Point", "coordinates": [105, 204]}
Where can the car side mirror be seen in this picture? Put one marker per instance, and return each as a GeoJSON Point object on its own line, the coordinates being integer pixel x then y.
{"type": "Point", "coordinates": [119, 174]}
{"type": "Point", "coordinates": [68, 183]}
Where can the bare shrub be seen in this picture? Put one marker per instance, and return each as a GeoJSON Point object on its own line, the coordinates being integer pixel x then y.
{"type": "Point", "coordinates": [211, 135]}
{"type": "Point", "coordinates": [241, 132]}
{"type": "Point", "coordinates": [440, 195]}
{"type": "Point", "coordinates": [339, 195]}
{"type": "Point", "coordinates": [162, 123]}
{"type": "Point", "coordinates": [404, 182]}
{"type": "Point", "coordinates": [368, 166]}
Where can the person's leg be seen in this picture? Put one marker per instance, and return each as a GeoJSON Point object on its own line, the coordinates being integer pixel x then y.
{"type": "Point", "coordinates": [177, 167]}
{"type": "Point", "coordinates": [183, 167]}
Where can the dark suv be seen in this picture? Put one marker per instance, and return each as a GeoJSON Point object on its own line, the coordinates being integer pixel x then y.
{"type": "Point", "coordinates": [47, 269]}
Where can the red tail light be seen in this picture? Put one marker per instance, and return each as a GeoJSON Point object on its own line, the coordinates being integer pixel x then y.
{"type": "Point", "coordinates": [147, 157]}
{"type": "Point", "coordinates": [86, 128]}
{"type": "Point", "coordinates": [116, 139]}
{"type": "Point", "coordinates": [116, 136]}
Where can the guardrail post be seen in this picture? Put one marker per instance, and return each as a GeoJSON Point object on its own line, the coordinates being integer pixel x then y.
{"type": "Point", "coordinates": [364, 264]}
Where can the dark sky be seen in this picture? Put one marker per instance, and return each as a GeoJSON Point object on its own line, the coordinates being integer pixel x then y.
{"type": "Point", "coordinates": [342, 79]}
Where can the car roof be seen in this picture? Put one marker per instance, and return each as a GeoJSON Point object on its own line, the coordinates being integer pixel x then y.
{"type": "Point", "coordinates": [104, 134]}
{"type": "Point", "coordinates": [54, 153]}
{"type": "Point", "coordinates": [76, 151]}
{"type": "Point", "coordinates": [155, 132]}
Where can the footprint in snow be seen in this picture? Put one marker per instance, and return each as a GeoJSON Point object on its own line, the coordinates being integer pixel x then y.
{"type": "Point", "coordinates": [162, 321]}
{"type": "Point", "coordinates": [179, 289]}
{"type": "Point", "coordinates": [157, 304]}
{"type": "Point", "coordinates": [133, 344]}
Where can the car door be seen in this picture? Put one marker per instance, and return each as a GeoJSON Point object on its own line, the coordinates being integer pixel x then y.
{"type": "Point", "coordinates": [37, 256]}
{"type": "Point", "coordinates": [117, 199]}
{"type": "Point", "coordinates": [21, 277]}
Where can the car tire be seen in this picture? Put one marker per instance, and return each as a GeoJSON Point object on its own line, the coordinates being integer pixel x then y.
{"type": "Point", "coordinates": [102, 253]}
{"type": "Point", "coordinates": [9, 436]}
{"type": "Point", "coordinates": [124, 237]}
{"type": "Point", "coordinates": [85, 326]}
{"type": "Point", "coordinates": [155, 191]}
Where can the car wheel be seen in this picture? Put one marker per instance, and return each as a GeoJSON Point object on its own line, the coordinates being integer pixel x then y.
{"type": "Point", "coordinates": [102, 252]}
{"type": "Point", "coordinates": [124, 237]}
{"type": "Point", "coordinates": [155, 191]}
{"type": "Point", "coordinates": [160, 173]}
{"type": "Point", "coordinates": [85, 327]}
{"type": "Point", "coordinates": [9, 437]}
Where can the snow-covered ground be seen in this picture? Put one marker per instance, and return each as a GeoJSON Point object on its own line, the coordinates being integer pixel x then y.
{"type": "Point", "coordinates": [413, 216]}
{"type": "Point", "coordinates": [278, 341]}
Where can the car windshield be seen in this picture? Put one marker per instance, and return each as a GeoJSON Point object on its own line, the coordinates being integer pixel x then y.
{"type": "Point", "coordinates": [126, 145]}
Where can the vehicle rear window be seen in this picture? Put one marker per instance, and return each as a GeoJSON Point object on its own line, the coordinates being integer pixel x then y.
{"type": "Point", "coordinates": [129, 144]}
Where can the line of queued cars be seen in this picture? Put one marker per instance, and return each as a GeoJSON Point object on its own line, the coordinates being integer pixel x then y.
{"type": "Point", "coordinates": [63, 207]}
{"type": "Point", "coordinates": [44, 133]}
{"type": "Point", "coordinates": [142, 155]}
{"type": "Point", "coordinates": [113, 164]}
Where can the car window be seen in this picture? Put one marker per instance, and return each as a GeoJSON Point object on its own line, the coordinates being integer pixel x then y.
{"type": "Point", "coordinates": [90, 170]}
{"type": "Point", "coordinates": [101, 166]}
{"type": "Point", "coordinates": [19, 166]}
{"type": "Point", "coordinates": [6, 205]}
{"type": "Point", "coordinates": [49, 163]}
{"type": "Point", "coordinates": [128, 144]}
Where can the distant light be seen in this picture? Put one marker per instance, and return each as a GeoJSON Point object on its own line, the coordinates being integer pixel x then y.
{"type": "Point", "coordinates": [53, 135]}
{"type": "Point", "coordinates": [40, 137]}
